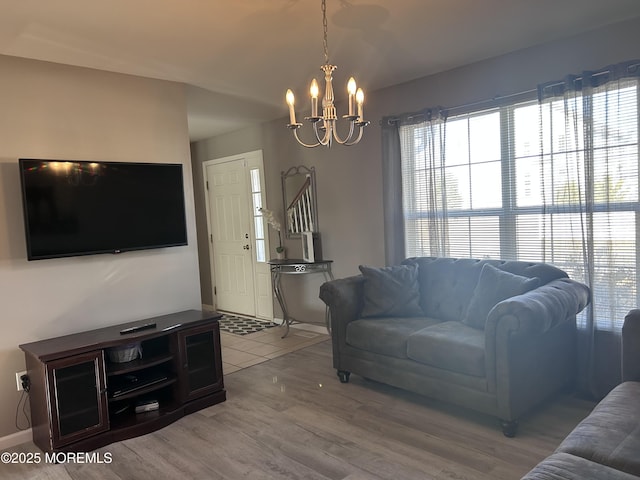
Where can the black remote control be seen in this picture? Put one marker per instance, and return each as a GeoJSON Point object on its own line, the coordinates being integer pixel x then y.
{"type": "Point", "coordinates": [137, 328]}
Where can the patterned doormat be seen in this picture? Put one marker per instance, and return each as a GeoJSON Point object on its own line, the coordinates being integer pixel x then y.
{"type": "Point", "coordinates": [243, 326]}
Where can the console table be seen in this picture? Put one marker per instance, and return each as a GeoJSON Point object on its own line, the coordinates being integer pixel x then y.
{"type": "Point", "coordinates": [296, 267]}
{"type": "Point", "coordinates": [81, 399]}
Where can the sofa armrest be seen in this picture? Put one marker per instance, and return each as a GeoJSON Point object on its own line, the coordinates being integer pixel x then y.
{"type": "Point", "coordinates": [529, 315]}
{"type": "Point", "coordinates": [539, 310]}
{"type": "Point", "coordinates": [631, 346]}
{"type": "Point", "coordinates": [344, 298]}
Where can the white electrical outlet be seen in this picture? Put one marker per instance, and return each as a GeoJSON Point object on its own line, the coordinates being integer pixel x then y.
{"type": "Point", "coordinates": [18, 381]}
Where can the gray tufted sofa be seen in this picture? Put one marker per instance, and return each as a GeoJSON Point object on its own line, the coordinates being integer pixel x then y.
{"type": "Point", "coordinates": [502, 363]}
{"type": "Point", "coordinates": [606, 444]}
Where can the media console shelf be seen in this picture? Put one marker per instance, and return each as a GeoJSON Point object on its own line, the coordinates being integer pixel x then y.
{"type": "Point", "coordinates": [81, 400]}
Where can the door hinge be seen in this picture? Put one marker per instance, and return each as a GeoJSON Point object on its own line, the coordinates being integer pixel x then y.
{"type": "Point", "coordinates": [207, 184]}
{"type": "Point", "coordinates": [215, 290]}
{"type": "Point", "coordinates": [211, 237]}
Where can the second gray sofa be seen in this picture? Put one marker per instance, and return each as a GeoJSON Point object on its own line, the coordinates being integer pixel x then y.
{"type": "Point", "coordinates": [606, 444]}
{"type": "Point", "coordinates": [493, 336]}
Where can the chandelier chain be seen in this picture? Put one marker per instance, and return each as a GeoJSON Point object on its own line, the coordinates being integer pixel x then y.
{"type": "Point", "coordinates": [325, 42]}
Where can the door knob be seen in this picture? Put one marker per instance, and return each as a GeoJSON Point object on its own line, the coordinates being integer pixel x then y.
{"type": "Point", "coordinates": [246, 247]}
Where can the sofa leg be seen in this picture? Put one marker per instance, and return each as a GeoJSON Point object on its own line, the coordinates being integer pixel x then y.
{"type": "Point", "coordinates": [343, 375]}
{"type": "Point", "coordinates": [509, 428]}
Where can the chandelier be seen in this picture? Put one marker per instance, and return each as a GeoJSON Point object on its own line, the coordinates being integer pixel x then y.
{"type": "Point", "coordinates": [324, 126]}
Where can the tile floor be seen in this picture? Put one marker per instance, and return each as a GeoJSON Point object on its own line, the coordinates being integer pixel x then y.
{"type": "Point", "coordinates": [241, 351]}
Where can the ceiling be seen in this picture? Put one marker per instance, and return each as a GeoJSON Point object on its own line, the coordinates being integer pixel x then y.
{"type": "Point", "coordinates": [238, 57]}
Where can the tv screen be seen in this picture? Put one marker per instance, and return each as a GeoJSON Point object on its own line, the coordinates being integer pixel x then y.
{"type": "Point", "coordinates": [80, 208]}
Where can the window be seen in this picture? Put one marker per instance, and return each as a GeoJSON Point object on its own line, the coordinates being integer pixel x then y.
{"type": "Point", "coordinates": [553, 181]}
{"type": "Point", "coordinates": [258, 219]}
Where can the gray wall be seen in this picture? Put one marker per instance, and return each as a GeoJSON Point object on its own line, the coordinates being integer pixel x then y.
{"type": "Point", "coordinates": [61, 112]}
{"type": "Point", "coordinates": [350, 180]}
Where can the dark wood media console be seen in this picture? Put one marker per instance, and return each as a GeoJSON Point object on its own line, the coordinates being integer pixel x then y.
{"type": "Point", "coordinates": [81, 400]}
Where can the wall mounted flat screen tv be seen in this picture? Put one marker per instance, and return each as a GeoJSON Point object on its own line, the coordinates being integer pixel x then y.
{"type": "Point", "coordinates": [80, 208]}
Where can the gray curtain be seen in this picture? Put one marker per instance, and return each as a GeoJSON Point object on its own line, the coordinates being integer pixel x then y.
{"type": "Point", "coordinates": [410, 143]}
{"type": "Point", "coordinates": [392, 192]}
{"type": "Point", "coordinates": [583, 111]}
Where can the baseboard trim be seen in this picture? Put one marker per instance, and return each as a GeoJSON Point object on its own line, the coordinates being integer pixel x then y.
{"type": "Point", "coordinates": [15, 439]}
{"type": "Point", "coordinates": [207, 307]}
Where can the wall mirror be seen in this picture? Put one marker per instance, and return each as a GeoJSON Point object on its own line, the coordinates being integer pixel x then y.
{"type": "Point", "coordinates": [299, 196]}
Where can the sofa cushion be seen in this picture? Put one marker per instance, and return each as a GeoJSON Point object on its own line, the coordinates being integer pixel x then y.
{"type": "Point", "coordinates": [610, 435]}
{"type": "Point", "coordinates": [562, 466]}
{"type": "Point", "coordinates": [391, 291]}
{"type": "Point", "coordinates": [385, 335]}
{"type": "Point", "coordinates": [494, 285]}
{"type": "Point", "coordinates": [451, 346]}
{"type": "Point", "coordinates": [447, 284]}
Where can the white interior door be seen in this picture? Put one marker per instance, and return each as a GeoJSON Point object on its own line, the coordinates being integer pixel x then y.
{"type": "Point", "coordinates": [230, 235]}
{"type": "Point", "coordinates": [239, 244]}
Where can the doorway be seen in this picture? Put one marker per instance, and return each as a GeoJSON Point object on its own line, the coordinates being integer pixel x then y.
{"type": "Point", "coordinates": [238, 243]}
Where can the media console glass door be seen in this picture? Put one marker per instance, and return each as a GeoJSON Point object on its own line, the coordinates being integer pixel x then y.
{"type": "Point", "coordinates": [202, 361]}
{"type": "Point", "coordinates": [77, 388]}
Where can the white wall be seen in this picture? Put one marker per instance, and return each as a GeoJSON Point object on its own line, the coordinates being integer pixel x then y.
{"type": "Point", "coordinates": [61, 112]}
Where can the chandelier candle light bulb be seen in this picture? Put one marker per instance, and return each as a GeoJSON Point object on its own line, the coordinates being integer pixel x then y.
{"type": "Point", "coordinates": [291, 102]}
{"type": "Point", "coordinates": [351, 89]}
{"type": "Point", "coordinates": [326, 131]}
{"type": "Point", "coordinates": [314, 90]}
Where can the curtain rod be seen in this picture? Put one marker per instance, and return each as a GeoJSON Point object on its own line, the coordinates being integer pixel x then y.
{"type": "Point", "coordinates": [427, 112]}
{"type": "Point", "coordinates": [630, 66]}
{"type": "Point", "coordinates": [497, 98]}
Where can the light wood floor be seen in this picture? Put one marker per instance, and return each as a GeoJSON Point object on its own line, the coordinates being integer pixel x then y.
{"type": "Point", "coordinates": [290, 418]}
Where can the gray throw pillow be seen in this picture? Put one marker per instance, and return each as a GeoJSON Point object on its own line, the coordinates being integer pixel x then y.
{"type": "Point", "coordinates": [391, 291]}
{"type": "Point", "coordinates": [494, 285]}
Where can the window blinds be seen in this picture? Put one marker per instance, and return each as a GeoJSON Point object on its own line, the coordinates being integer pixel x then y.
{"type": "Point", "coordinates": [553, 181]}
